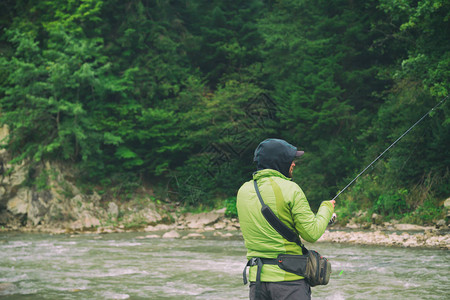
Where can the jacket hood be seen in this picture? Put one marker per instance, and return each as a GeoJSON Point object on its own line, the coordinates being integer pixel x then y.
{"type": "Point", "coordinates": [275, 154]}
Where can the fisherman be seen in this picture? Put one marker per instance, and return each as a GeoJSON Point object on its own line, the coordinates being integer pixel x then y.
{"type": "Point", "coordinates": [275, 165]}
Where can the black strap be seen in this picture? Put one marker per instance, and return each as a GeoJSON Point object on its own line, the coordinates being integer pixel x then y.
{"type": "Point", "coordinates": [258, 261]}
{"type": "Point", "coordinates": [277, 224]}
{"type": "Point", "coordinates": [254, 262]}
{"type": "Point", "coordinates": [282, 229]}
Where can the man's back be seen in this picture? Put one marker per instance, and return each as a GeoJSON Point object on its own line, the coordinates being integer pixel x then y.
{"type": "Point", "coordinates": [288, 202]}
{"type": "Point", "coordinates": [275, 164]}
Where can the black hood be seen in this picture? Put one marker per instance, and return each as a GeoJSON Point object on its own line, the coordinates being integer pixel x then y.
{"type": "Point", "coordinates": [275, 154]}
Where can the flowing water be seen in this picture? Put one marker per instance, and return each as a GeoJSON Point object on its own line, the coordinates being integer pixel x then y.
{"type": "Point", "coordinates": [128, 266]}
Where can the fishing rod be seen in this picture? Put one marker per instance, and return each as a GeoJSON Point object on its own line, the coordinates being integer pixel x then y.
{"type": "Point", "coordinates": [387, 149]}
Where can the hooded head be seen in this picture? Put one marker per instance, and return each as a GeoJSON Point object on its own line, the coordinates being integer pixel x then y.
{"type": "Point", "coordinates": [276, 154]}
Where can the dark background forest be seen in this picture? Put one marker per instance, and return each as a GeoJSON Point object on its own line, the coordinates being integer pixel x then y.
{"type": "Point", "coordinates": [176, 95]}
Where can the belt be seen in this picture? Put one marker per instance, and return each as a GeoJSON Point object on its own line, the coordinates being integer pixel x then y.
{"type": "Point", "coordinates": [259, 262]}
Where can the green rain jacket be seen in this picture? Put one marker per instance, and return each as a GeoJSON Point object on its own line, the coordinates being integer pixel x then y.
{"type": "Point", "coordinates": [289, 203]}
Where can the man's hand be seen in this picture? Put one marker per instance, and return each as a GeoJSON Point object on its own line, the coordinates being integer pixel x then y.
{"type": "Point", "coordinates": [333, 219]}
{"type": "Point", "coordinates": [334, 216]}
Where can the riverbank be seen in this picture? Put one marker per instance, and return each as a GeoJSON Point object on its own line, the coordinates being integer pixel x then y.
{"type": "Point", "coordinates": [60, 207]}
{"type": "Point", "coordinates": [215, 224]}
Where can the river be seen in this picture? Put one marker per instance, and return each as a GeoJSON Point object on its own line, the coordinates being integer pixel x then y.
{"type": "Point", "coordinates": [130, 266]}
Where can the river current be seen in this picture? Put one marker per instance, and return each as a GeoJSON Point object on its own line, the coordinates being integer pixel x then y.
{"type": "Point", "coordinates": [130, 266]}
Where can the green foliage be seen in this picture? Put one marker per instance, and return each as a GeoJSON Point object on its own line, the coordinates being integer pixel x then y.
{"type": "Point", "coordinates": [426, 214]}
{"type": "Point", "coordinates": [230, 205]}
{"type": "Point", "coordinates": [345, 210]}
{"type": "Point", "coordinates": [133, 92]}
{"type": "Point", "coordinates": [391, 204]}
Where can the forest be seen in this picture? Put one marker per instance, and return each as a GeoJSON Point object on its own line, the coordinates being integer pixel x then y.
{"type": "Point", "coordinates": [177, 95]}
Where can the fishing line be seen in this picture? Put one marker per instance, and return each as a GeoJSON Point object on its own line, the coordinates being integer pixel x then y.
{"type": "Point", "coordinates": [387, 149]}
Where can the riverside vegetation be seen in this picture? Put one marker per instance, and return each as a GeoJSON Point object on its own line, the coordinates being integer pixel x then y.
{"type": "Point", "coordinates": [59, 207]}
{"type": "Point", "coordinates": [115, 106]}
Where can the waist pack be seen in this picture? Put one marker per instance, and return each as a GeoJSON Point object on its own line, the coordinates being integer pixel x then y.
{"type": "Point", "coordinates": [313, 266]}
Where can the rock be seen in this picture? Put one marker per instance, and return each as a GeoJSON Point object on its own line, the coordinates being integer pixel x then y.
{"type": "Point", "coordinates": [377, 219]}
{"type": "Point", "coordinates": [86, 221]}
{"type": "Point", "coordinates": [194, 236]}
{"type": "Point", "coordinates": [17, 177]}
{"type": "Point", "coordinates": [95, 197]}
{"type": "Point", "coordinates": [89, 221]}
{"type": "Point", "coordinates": [447, 203]}
{"type": "Point", "coordinates": [352, 225]}
{"type": "Point", "coordinates": [159, 227]}
{"type": "Point", "coordinates": [221, 211]}
{"type": "Point", "coordinates": [76, 204]}
{"type": "Point", "coordinates": [2, 192]}
{"type": "Point", "coordinates": [113, 210]}
{"type": "Point", "coordinates": [217, 233]}
{"type": "Point", "coordinates": [219, 225]}
{"type": "Point", "coordinates": [366, 225]}
{"type": "Point", "coordinates": [19, 203]}
{"type": "Point", "coordinates": [171, 235]}
{"type": "Point", "coordinates": [200, 220]}
{"type": "Point", "coordinates": [150, 215]}
{"type": "Point", "coordinates": [8, 219]}
{"type": "Point", "coordinates": [231, 227]}
{"type": "Point", "coordinates": [408, 227]}
{"type": "Point", "coordinates": [441, 224]}
{"type": "Point", "coordinates": [152, 236]}
{"type": "Point", "coordinates": [76, 225]}
{"type": "Point", "coordinates": [410, 243]}
{"type": "Point", "coordinates": [38, 206]}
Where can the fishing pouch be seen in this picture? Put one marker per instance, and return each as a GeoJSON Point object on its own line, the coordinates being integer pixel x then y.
{"type": "Point", "coordinates": [314, 267]}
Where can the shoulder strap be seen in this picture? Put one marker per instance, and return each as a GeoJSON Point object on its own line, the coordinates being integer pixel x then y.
{"type": "Point", "coordinates": [277, 224]}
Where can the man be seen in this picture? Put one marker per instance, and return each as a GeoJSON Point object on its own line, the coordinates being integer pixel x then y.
{"type": "Point", "coordinates": [275, 165]}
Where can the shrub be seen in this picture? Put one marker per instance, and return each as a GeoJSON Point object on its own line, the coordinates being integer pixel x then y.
{"type": "Point", "coordinates": [426, 213]}
{"type": "Point", "coordinates": [392, 204]}
{"type": "Point", "coordinates": [231, 210]}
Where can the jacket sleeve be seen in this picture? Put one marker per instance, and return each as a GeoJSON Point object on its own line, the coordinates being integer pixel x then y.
{"type": "Point", "coordinates": [310, 226]}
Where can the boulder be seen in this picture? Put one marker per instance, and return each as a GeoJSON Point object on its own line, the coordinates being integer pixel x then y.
{"type": "Point", "coordinates": [171, 235]}
{"type": "Point", "coordinates": [194, 221]}
{"type": "Point", "coordinates": [152, 236]}
{"type": "Point", "coordinates": [219, 225]}
{"type": "Point", "coordinates": [151, 216]}
{"type": "Point", "coordinates": [38, 206]}
{"type": "Point", "coordinates": [441, 224]}
{"type": "Point", "coordinates": [85, 222]}
{"type": "Point", "coordinates": [447, 203]}
{"type": "Point", "coordinates": [377, 219]}
{"type": "Point", "coordinates": [89, 221]}
{"type": "Point", "coordinates": [194, 236]}
{"type": "Point", "coordinates": [18, 205]}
